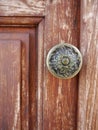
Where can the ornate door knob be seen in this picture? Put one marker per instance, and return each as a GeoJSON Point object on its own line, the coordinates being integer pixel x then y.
{"type": "Point", "coordinates": [64, 61]}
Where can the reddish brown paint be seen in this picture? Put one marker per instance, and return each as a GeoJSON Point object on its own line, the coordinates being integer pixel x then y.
{"type": "Point", "coordinates": [47, 102]}
{"type": "Point", "coordinates": [88, 80]}
{"type": "Point", "coordinates": [60, 96]}
{"type": "Point", "coordinates": [10, 84]}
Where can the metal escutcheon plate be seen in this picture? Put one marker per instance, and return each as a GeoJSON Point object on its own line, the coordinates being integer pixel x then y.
{"type": "Point", "coordinates": [64, 61]}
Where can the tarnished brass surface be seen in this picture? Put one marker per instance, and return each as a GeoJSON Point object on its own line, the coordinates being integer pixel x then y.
{"type": "Point", "coordinates": [64, 61]}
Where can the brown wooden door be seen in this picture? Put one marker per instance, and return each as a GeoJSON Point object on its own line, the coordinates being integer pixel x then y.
{"type": "Point", "coordinates": [30, 97]}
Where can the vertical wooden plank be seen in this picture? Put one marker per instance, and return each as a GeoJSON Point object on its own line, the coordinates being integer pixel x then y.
{"type": "Point", "coordinates": [10, 84]}
{"type": "Point", "coordinates": [60, 96]}
{"type": "Point", "coordinates": [88, 79]}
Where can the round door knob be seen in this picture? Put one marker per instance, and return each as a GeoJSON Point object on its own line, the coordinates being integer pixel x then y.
{"type": "Point", "coordinates": [64, 61]}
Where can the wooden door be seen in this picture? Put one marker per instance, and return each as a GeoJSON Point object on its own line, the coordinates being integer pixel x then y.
{"type": "Point", "coordinates": [30, 97]}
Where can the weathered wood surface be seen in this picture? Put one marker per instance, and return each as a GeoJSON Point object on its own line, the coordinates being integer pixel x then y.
{"type": "Point", "coordinates": [9, 33]}
{"type": "Point", "coordinates": [88, 80]}
{"type": "Point", "coordinates": [26, 7]}
{"type": "Point", "coordinates": [58, 97]}
{"type": "Point", "coordinates": [41, 64]}
{"type": "Point", "coordinates": [20, 21]}
{"type": "Point", "coordinates": [10, 84]}
{"type": "Point", "coordinates": [33, 81]}
{"type": "Point", "coordinates": [22, 7]}
{"type": "Point", "coordinates": [28, 93]}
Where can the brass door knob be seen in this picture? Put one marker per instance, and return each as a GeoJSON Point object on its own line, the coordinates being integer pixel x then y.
{"type": "Point", "coordinates": [64, 61]}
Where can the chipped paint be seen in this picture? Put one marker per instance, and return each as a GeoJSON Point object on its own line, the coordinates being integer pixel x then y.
{"type": "Point", "coordinates": [18, 7]}
{"type": "Point", "coordinates": [88, 96]}
{"type": "Point", "coordinates": [17, 108]}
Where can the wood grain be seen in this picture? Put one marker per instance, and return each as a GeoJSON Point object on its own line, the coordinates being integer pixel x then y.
{"type": "Point", "coordinates": [20, 21]}
{"type": "Point", "coordinates": [24, 37]}
{"type": "Point", "coordinates": [28, 93]}
{"type": "Point", "coordinates": [22, 8]}
{"type": "Point", "coordinates": [10, 84]}
{"type": "Point", "coordinates": [59, 97]}
{"type": "Point", "coordinates": [40, 72]}
{"type": "Point", "coordinates": [88, 80]}
{"type": "Point", "coordinates": [33, 88]}
{"type": "Point", "coordinates": [56, 107]}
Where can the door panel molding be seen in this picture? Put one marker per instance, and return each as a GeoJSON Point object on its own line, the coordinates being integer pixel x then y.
{"type": "Point", "coordinates": [20, 21]}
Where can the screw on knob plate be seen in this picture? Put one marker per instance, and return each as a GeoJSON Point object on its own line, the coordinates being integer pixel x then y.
{"type": "Point", "coordinates": [64, 61]}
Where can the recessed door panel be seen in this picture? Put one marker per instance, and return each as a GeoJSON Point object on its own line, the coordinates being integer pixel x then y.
{"type": "Point", "coordinates": [24, 38]}
{"type": "Point", "coordinates": [10, 84]}
{"type": "Point", "coordinates": [28, 88]}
